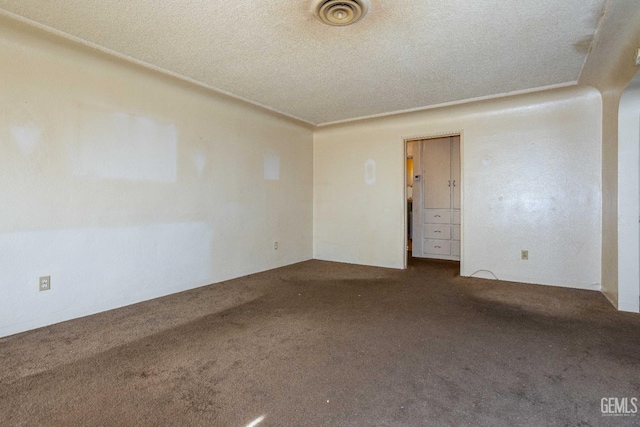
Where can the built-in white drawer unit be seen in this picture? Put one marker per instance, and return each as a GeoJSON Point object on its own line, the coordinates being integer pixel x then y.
{"type": "Point", "coordinates": [437, 232]}
{"type": "Point", "coordinates": [437, 216]}
{"type": "Point", "coordinates": [437, 204]}
{"type": "Point", "coordinates": [437, 247]}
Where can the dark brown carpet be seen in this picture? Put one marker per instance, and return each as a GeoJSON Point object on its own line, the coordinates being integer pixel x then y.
{"type": "Point", "coordinates": [321, 343]}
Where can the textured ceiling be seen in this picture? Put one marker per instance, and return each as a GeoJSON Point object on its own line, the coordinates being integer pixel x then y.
{"type": "Point", "coordinates": [403, 55]}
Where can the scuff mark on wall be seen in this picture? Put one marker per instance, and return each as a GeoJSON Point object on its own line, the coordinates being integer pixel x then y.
{"type": "Point", "coordinates": [370, 172]}
{"type": "Point", "coordinates": [26, 138]}
{"type": "Point", "coordinates": [199, 161]}
{"type": "Point", "coordinates": [271, 167]}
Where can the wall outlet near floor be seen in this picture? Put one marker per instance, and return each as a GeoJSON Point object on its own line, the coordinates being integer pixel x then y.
{"type": "Point", "coordinates": [44, 283]}
{"type": "Point", "coordinates": [524, 255]}
{"type": "Point", "coordinates": [275, 246]}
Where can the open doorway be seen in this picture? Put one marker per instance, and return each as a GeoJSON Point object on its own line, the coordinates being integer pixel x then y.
{"type": "Point", "coordinates": [434, 202]}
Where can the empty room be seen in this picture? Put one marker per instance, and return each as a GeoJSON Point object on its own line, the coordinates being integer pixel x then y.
{"type": "Point", "coordinates": [320, 212]}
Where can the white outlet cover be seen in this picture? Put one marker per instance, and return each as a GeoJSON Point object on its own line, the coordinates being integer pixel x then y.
{"type": "Point", "coordinates": [44, 283]}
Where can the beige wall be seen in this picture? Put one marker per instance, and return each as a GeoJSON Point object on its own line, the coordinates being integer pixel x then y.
{"type": "Point", "coordinates": [610, 66]}
{"type": "Point", "coordinates": [531, 180]}
{"type": "Point", "coordinates": [628, 198]}
{"type": "Point", "coordinates": [610, 101]}
{"type": "Point", "coordinates": [125, 185]}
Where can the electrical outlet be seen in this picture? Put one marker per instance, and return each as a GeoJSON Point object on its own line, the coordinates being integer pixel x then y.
{"type": "Point", "coordinates": [275, 246]}
{"type": "Point", "coordinates": [44, 283]}
{"type": "Point", "coordinates": [524, 255]}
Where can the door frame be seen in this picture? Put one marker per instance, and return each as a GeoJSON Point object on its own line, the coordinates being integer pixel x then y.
{"type": "Point", "coordinates": [419, 137]}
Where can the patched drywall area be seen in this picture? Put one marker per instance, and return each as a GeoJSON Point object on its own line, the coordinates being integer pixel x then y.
{"type": "Point", "coordinates": [531, 171]}
{"type": "Point", "coordinates": [125, 185]}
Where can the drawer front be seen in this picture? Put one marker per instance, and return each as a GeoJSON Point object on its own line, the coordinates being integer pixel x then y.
{"type": "Point", "coordinates": [455, 248]}
{"type": "Point", "coordinates": [456, 232]}
{"type": "Point", "coordinates": [437, 216]}
{"type": "Point", "coordinates": [456, 216]}
{"type": "Point", "coordinates": [437, 247]}
{"type": "Point", "coordinates": [437, 232]}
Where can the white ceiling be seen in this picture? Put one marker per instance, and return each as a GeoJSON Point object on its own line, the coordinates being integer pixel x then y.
{"type": "Point", "coordinates": [403, 55]}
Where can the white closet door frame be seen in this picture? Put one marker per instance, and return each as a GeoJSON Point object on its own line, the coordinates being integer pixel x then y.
{"type": "Point", "coordinates": [418, 216]}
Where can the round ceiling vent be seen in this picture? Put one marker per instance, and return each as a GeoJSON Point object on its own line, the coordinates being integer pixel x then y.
{"type": "Point", "coordinates": [340, 12]}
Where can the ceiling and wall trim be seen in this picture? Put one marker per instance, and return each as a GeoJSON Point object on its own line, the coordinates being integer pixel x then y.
{"type": "Point", "coordinates": [112, 53]}
{"type": "Point", "coordinates": [450, 104]}
{"type": "Point", "coordinates": [285, 104]}
{"type": "Point", "coordinates": [129, 59]}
